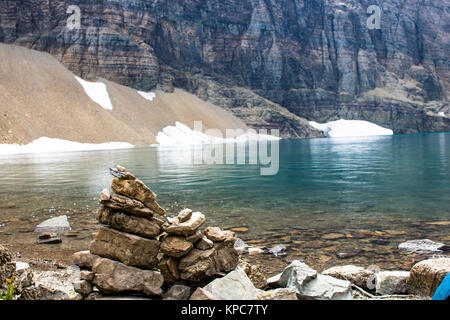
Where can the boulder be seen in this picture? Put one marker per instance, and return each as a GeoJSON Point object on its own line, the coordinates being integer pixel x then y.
{"type": "Point", "coordinates": [427, 275]}
{"type": "Point", "coordinates": [178, 292]}
{"type": "Point", "coordinates": [188, 227]}
{"type": "Point", "coordinates": [277, 294]}
{"type": "Point", "coordinates": [127, 248]}
{"type": "Point", "coordinates": [169, 269]}
{"type": "Point", "coordinates": [115, 277]}
{"type": "Point", "coordinates": [145, 227]}
{"type": "Point", "coordinates": [357, 275]}
{"type": "Point", "coordinates": [197, 265]}
{"type": "Point", "coordinates": [175, 246]}
{"type": "Point", "coordinates": [421, 246]}
{"type": "Point", "coordinates": [128, 205]}
{"type": "Point", "coordinates": [234, 286]}
{"type": "Point", "coordinates": [56, 224]}
{"type": "Point", "coordinates": [201, 294]}
{"type": "Point", "coordinates": [84, 259]}
{"type": "Point", "coordinates": [325, 288]}
{"type": "Point", "coordinates": [391, 282]}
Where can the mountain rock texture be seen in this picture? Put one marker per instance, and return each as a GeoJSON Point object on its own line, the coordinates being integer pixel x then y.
{"type": "Point", "coordinates": [272, 63]}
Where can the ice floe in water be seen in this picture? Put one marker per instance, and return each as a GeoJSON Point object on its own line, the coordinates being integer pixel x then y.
{"type": "Point", "coordinates": [147, 95]}
{"type": "Point", "coordinates": [97, 92]}
{"type": "Point", "coordinates": [182, 135]}
{"type": "Point", "coordinates": [350, 128]}
{"type": "Point", "coordinates": [50, 145]}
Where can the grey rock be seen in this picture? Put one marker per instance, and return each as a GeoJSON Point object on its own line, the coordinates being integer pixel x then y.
{"type": "Point", "coordinates": [197, 265]}
{"type": "Point", "coordinates": [391, 282]}
{"type": "Point", "coordinates": [295, 276]}
{"type": "Point", "coordinates": [201, 294]}
{"type": "Point", "coordinates": [236, 285]}
{"type": "Point", "coordinates": [56, 224]}
{"type": "Point", "coordinates": [279, 250]}
{"type": "Point", "coordinates": [204, 244]}
{"type": "Point", "coordinates": [115, 277]}
{"type": "Point", "coordinates": [178, 292]}
{"type": "Point", "coordinates": [325, 288]}
{"type": "Point", "coordinates": [357, 275]}
{"type": "Point", "coordinates": [82, 287]}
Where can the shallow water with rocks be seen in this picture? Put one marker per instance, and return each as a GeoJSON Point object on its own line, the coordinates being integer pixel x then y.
{"type": "Point", "coordinates": [333, 201]}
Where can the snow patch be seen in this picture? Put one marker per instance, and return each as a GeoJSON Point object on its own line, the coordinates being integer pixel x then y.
{"type": "Point", "coordinates": [50, 145]}
{"type": "Point", "coordinates": [97, 92]}
{"type": "Point", "coordinates": [182, 135]}
{"type": "Point", "coordinates": [350, 128]}
{"type": "Point", "coordinates": [442, 114]}
{"type": "Point", "coordinates": [147, 95]}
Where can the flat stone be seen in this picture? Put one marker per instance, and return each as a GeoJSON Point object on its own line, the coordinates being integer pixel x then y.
{"type": "Point", "coordinates": [201, 294]}
{"type": "Point", "coordinates": [184, 215]}
{"type": "Point", "coordinates": [391, 282]}
{"type": "Point", "coordinates": [134, 189]}
{"type": "Point", "coordinates": [128, 205]}
{"type": "Point", "coordinates": [197, 265]}
{"type": "Point", "coordinates": [421, 246]}
{"type": "Point", "coordinates": [178, 292]}
{"type": "Point", "coordinates": [169, 269]}
{"type": "Point", "coordinates": [130, 249]}
{"type": "Point", "coordinates": [188, 227]}
{"type": "Point", "coordinates": [236, 285]}
{"type": "Point", "coordinates": [217, 235]}
{"type": "Point", "coordinates": [325, 288]}
{"type": "Point", "coordinates": [84, 259]}
{"type": "Point", "coordinates": [145, 227]}
{"type": "Point", "coordinates": [175, 246]}
{"type": "Point", "coordinates": [277, 294]}
{"type": "Point", "coordinates": [204, 244]}
{"type": "Point", "coordinates": [427, 275]}
{"type": "Point", "coordinates": [357, 275]}
{"type": "Point", "coordinates": [115, 277]}
{"type": "Point", "coordinates": [333, 236]}
{"type": "Point", "coordinates": [57, 224]}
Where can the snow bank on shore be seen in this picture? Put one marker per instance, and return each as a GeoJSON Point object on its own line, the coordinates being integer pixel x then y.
{"type": "Point", "coordinates": [51, 145]}
{"type": "Point", "coordinates": [97, 92]}
{"type": "Point", "coordinates": [350, 128]}
{"type": "Point", "coordinates": [182, 135]}
{"type": "Point", "coordinates": [147, 95]}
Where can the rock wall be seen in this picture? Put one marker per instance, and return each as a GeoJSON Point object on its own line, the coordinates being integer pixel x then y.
{"type": "Point", "coordinates": [315, 59]}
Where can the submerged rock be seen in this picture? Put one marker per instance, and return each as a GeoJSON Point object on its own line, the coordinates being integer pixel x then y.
{"type": "Point", "coordinates": [279, 250]}
{"type": "Point", "coordinates": [421, 246]}
{"type": "Point", "coordinates": [48, 238]}
{"type": "Point", "coordinates": [348, 252]}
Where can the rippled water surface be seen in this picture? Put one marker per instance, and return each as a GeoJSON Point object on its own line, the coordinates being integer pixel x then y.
{"type": "Point", "coordinates": [351, 186]}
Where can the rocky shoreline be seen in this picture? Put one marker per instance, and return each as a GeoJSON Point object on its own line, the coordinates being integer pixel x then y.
{"type": "Point", "coordinates": [139, 253]}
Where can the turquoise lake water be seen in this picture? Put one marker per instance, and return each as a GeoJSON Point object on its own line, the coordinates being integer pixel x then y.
{"type": "Point", "coordinates": [323, 185]}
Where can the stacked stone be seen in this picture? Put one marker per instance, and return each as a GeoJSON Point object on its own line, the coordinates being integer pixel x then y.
{"type": "Point", "coordinates": [137, 249]}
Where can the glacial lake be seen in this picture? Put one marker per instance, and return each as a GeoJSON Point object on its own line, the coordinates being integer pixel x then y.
{"type": "Point", "coordinates": [375, 191]}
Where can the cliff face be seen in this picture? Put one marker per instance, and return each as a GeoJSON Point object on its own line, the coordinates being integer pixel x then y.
{"type": "Point", "coordinates": [271, 62]}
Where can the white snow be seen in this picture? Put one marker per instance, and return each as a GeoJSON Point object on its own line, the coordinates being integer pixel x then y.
{"type": "Point", "coordinates": [50, 145]}
{"type": "Point", "coordinates": [182, 135]}
{"type": "Point", "coordinates": [350, 128]}
{"type": "Point", "coordinates": [97, 92]}
{"type": "Point", "coordinates": [442, 114]}
{"type": "Point", "coordinates": [147, 95]}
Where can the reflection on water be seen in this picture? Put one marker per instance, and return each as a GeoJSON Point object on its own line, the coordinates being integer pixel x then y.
{"type": "Point", "coordinates": [323, 185]}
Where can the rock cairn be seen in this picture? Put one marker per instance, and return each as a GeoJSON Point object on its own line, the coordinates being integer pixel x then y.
{"type": "Point", "coordinates": [137, 250]}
